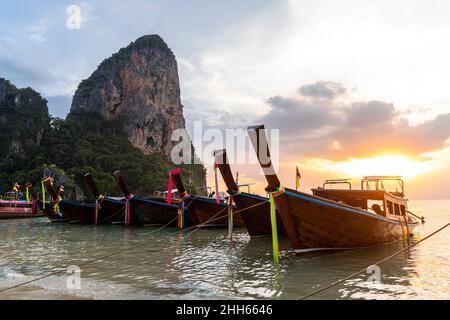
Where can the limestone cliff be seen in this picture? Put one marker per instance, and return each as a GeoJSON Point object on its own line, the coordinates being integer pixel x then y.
{"type": "Point", "coordinates": [139, 84]}
{"type": "Point", "coordinates": [23, 120]}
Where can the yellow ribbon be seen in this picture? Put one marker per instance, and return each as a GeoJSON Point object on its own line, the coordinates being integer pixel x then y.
{"type": "Point", "coordinates": [97, 208]}
{"type": "Point", "coordinates": [43, 194]}
{"type": "Point", "coordinates": [56, 205]}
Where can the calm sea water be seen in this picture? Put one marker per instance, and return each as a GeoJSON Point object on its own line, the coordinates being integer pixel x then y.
{"type": "Point", "coordinates": [206, 265]}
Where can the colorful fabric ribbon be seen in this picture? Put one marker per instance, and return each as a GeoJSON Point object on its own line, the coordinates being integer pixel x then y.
{"type": "Point", "coordinates": [169, 184]}
{"type": "Point", "coordinates": [34, 207]}
{"type": "Point", "coordinates": [43, 194]}
{"type": "Point", "coordinates": [16, 187]}
{"type": "Point", "coordinates": [230, 217]}
{"type": "Point", "coordinates": [56, 205]}
{"type": "Point", "coordinates": [273, 222]}
{"type": "Point", "coordinates": [98, 203]}
{"type": "Point", "coordinates": [127, 209]}
{"type": "Point", "coordinates": [216, 165]}
{"type": "Point", "coordinates": [180, 213]}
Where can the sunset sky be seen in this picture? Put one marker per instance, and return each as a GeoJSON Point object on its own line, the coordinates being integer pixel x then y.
{"type": "Point", "coordinates": [355, 87]}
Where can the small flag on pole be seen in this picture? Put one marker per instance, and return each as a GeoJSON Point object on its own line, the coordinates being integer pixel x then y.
{"type": "Point", "coordinates": [216, 183]}
{"type": "Point", "coordinates": [298, 176]}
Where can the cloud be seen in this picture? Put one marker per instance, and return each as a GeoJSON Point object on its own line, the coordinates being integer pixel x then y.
{"type": "Point", "coordinates": [322, 89]}
{"type": "Point", "coordinates": [336, 130]}
{"type": "Point", "coordinates": [37, 32]}
{"type": "Point", "coordinates": [296, 114]}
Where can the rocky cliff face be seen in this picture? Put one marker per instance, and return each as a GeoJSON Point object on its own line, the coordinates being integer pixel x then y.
{"type": "Point", "coordinates": [139, 84]}
{"type": "Point", "coordinates": [23, 119]}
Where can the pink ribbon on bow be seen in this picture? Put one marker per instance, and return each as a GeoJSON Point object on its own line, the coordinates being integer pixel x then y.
{"type": "Point", "coordinates": [127, 209]}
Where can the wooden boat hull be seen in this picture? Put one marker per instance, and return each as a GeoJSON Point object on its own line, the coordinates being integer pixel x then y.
{"type": "Point", "coordinates": [153, 212]}
{"type": "Point", "coordinates": [316, 222]}
{"type": "Point", "coordinates": [255, 213]}
{"type": "Point", "coordinates": [77, 212]}
{"type": "Point", "coordinates": [48, 210]}
{"type": "Point", "coordinates": [17, 213]}
{"type": "Point", "coordinates": [207, 212]}
{"type": "Point", "coordinates": [71, 211]}
{"type": "Point", "coordinates": [14, 209]}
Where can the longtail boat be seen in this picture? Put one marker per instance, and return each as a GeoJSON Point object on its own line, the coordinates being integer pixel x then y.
{"type": "Point", "coordinates": [107, 209]}
{"type": "Point", "coordinates": [146, 211]}
{"type": "Point", "coordinates": [254, 209]}
{"type": "Point", "coordinates": [315, 222]}
{"type": "Point", "coordinates": [13, 207]}
{"type": "Point", "coordinates": [205, 211]}
{"type": "Point", "coordinates": [61, 210]}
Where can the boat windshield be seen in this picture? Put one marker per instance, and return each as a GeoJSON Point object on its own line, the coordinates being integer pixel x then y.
{"type": "Point", "coordinates": [384, 183]}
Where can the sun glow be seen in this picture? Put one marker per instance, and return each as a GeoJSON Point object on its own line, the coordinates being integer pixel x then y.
{"type": "Point", "coordinates": [382, 165]}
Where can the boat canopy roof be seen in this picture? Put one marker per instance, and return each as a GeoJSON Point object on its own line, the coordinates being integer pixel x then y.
{"type": "Point", "coordinates": [338, 181]}
{"type": "Point", "coordinates": [378, 182]}
{"type": "Point", "coordinates": [374, 178]}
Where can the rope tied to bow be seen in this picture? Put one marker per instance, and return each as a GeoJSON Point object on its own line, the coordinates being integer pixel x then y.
{"type": "Point", "coordinates": [273, 221]}
{"type": "Point", "coordinates": [98, 207]}
{"type": "Point", "coordinates": [181, 209]}
{"type": "Point", "coordinates": [56, 202]}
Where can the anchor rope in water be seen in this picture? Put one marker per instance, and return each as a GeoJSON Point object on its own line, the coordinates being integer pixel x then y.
{"type": "Point", "coordinates": [234, 212]}
{"type": "Point", "coordinates": [273, 222]}
{"type": "Point", "coordinates": [379, 262]}
{"type": "Point", "coordinates": [199, 226]}
{"type": "Point", "coordinates": [221, 217]}
{"type": "Point", "coordinates": [85, 263]}
{"type": "Point", "coordinates": [126, 249]}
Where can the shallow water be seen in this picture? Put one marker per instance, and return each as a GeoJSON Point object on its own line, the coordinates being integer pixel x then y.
{"type": "Point", "coordinates": [204, 264]}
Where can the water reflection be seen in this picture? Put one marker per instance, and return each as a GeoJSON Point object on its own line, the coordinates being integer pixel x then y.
{"type": "Point", "coordinates": [207, 265]}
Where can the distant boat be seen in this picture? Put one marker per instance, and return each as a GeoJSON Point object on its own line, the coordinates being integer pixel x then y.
{"type": "Point", "coordinates": [13, 207]}
{"type": "Point", "coordinates": [205, 211]}
{"type": "Point", "coordinates": [147, 211]}
{"type": "Point", "coordinates": [315, 222]}
{"type": "Point", "coordinates": [62, 210]}
{"type": "Point", "coordinates": [110, 209]}
{"type": "Point", "coordinates": [254, 209]}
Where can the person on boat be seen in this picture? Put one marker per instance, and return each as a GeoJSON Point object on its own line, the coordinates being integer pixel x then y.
{"type": "Point", "coordinates": [377, 209]}
{"type": "Point", "coordinates": [212, 194]}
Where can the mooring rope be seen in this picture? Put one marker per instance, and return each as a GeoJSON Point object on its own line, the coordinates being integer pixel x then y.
{"type": "Point", "coordinates": [127, 249]}
{"type": "Point", "coordinates": [112, 216]}
{"type": "Point", "coordinates": [197, 227]}
{"type": "Point", "coordinates": [213, 218]}
{"type": "Point", "coordinates": [87, 262]}
{"type": "Point", "coordinates": [193, 199]}
{"type": "Point", "coordinates": [365, 269]}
